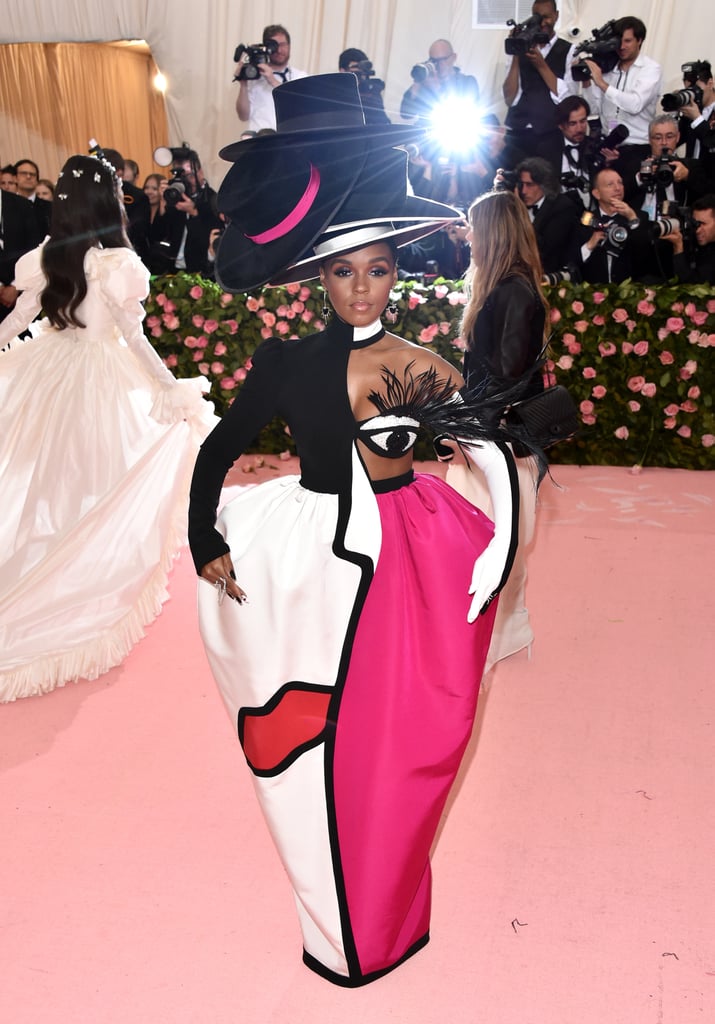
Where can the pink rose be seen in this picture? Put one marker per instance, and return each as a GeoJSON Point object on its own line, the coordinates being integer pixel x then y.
{"type": "Point", "coordinates": [677, 307]}
{"type": "Point", "coordinates": [694, 391]}
{"type": "Point", "coordinates": [641, 348]}
{"type": "Point", "coordinates": [191, 342]}
{"type": "Point", "coordinates": [199, 355]}
{"type": "Point", "coordinates": [688, 370]}
{"type": "Point", "coordinates": [626, 348]}
{"type": "Point", "coordinates": [619, 315]}
{"type": "Point", "coordinates": [587, 408]}
{"type": "Point", "coordinates": [282, 309]}
{"type": "Point", "coordinates": [598, 297]}
{"type": "Point", "coordinates": [268, 318]}
{"type": "Point", "coordinates": [440, 291]}
{"type": "Point", "coordinates": [290, 315]}
{"type": "Point", "coordinates": [210, 326]}
{"type": "Point", "coordinates": [304, 293]}
{"type": "Point", "coordinates": [445, 327]}
{"type": "Point", "coordinates": [266, 332]}
{"type": "Point", "coordinates": [414, 300]}
{"type": "Point", "coordinates": [588, 372]}
{"type": "Point", "coordinates": [248, 363]}
{"type": "Point", "coordinates": [581, 326]}
{"type": "Point", "coordinates": [227, 384]}
{"type": "Point", "coordinates": [607, 348]}
{"type": "Point", "coordinates": [565, 362]}
{"type": "Point", "coordinates": [684, 431]}
{"type": "Point", "coordinates": [666, 358]}
{"type": "Point", "coordinates": [669, 424]}
{"type": "Point", "coordinates": [598, 320]}
{"type": "Point", "coordinates": [217, 367]}
{"type": "Point", "coordinates": [708, 440]}
{"type": "Point", "coordinates": [160, 299]}
{"type": "Point", "coordinates": [197, 320]}
{"type": "Point", "coordinates": [699, 317]}
{"type": "Point", "coordinates": [630, 326]}
{"type": "Point", "coordinates": [577, 307]}
{"type": "Point", "coordinates": [588, 419]}
{"type": "Point", "coordinates": [555, 315]}
{"type": "Point", "coordinates": [240, 373]}
{"type": "Point", "coordinates": [292, 289]}
{"type": "Point", "coordinates": [170, 321]}
{"type": "Point", "coordinates": [635, 383]}
{"type": "Point", "coordinates": [689, 406]}
{"type": "Point", "coordinates": [645, 308]}
{"type": "Point", "coordinates": [156, 332]}
{"type": "Point", "coordinates": [663, 333]}
{"type": "Point", "coordinates": [648, 390]}
{"type": "Point", "coordinates": [171, 360]}
{"type": "Point", "coordinates": [203, 368]}
{"type": "Point", "coordinates": [428, 333]}
{"type": "Point", "coordinates": [226, 299]}
{"type": "Point", "coordinates": [672, 409]}
{"type": "Point", "coordinates": [622, 433]}
{"type": "Point", "coordinates": [282, 327]}
{"type": "Point", "coordinates": [219, 349]}
{"type": "Point", "coordinates": [455, 298]}
{"type": "Point", "coordinates": [252, 304]}
{"type": "Point", "coordinates": [306, 316]}
{"type": "Point", "coordinates": [232, 326]}
{"type": "Point", "coordinates": [297, 306]}
{"type": "Point", "coordinates": [675, 323]}
{"type": "Point", "coordinates": [196, 292]}
{"type": "Point", "coordinates": [599, 391]}
{"type": "Point", "coordinates": [153, 321]}
{"type": "Point", "coordinates": [169, 306]}
{"type": "Point", "coordinates": [634, 406]}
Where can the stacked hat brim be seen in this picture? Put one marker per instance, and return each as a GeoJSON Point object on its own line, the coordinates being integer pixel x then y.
{"type": "Point", "coordinates": [288, 188]}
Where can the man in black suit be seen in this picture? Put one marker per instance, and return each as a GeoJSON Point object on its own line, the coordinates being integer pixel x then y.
{"type": "Point", "coordinates": [697, 122]}
{"type": "Point", "coordinates": [28, 175]}
{"type": "Point", "coordinates": [614, 250]}
{"type": "Point", "coordinates": [697, 266]}
{"type": "Point", "coordinates": [555, 217]}
{"type": "Point", "coordinates": [19, 232]}
{"type": "Point", "coordinates": [199, 205]}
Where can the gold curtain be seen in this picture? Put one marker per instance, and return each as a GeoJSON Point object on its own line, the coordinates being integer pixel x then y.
{"type": "Point", "coordinates": [55, 97]}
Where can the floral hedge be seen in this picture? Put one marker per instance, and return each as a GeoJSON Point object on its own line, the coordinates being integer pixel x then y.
{"type": "Point", "coordinates": [638, 361]}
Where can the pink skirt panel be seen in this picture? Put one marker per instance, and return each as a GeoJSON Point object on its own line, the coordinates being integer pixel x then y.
{"type": "Point", "coordinates": [407, 712]}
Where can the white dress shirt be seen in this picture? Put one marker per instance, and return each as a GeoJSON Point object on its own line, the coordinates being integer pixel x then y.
{"type": "Point", "coordinates": [630, 99]}
{"type": "Point", "coordinates": [262, 113]}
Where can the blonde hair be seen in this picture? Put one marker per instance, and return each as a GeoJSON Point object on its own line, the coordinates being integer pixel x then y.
{"type": "Point", "coordinates": [504, 237]}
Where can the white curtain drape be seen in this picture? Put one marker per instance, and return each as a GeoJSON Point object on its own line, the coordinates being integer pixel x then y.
{"type": "Point", "coordinates": [193, 45]}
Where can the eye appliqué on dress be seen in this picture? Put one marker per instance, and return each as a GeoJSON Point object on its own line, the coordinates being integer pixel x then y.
{"type": "Point", "coordinates": [390, 436]}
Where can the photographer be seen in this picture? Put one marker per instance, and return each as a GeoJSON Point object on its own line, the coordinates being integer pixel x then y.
{"type": "Point", "coordinates": [627, 94]}
{"type": "Point", "coordinates": [697, 123]}
{"type": "Point", "coordinates": [356, 62]}
{"type": "Point", "coordinates": [254, 102]}
{"type": "Point", "coordinates": [614, 236]}
{"type": "Point", "coordinates": [434, 82]}
{"type": "Point", "coordinates": [188, 192]}
{"type": "Point", "coordinates": [663, 178]}
{"type": "Point", "coordinates": [555, 217]}
{"type": "Point", "coordinates": [696, 265]}
{"type": "Point", "coordinates": [534, 81]}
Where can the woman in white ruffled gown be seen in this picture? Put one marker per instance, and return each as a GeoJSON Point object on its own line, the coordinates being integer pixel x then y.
{"type": "Point", "coordinates": [97, 445]}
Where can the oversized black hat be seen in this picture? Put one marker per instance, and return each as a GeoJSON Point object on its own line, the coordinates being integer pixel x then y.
{"type": "Point", "coordinates": [286, 188]}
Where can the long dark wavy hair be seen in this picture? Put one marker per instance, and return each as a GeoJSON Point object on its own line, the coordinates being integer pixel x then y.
{"type": "Point", "coordinates": [87, 211]}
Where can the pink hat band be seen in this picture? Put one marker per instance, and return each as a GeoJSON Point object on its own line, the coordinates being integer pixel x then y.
{"type": "Point", "coordinates": [295, 216]}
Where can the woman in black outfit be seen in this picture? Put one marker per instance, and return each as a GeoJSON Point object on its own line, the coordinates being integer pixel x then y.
{"type": "Point", "coordinates": [504, 330]}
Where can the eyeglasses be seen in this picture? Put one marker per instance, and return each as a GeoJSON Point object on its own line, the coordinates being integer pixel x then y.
{"type": "Point", "coordinates": [438, 60]}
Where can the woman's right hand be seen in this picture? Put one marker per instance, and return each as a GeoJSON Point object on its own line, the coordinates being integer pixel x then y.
{"type": "Point", "coordinates": [221, 570]}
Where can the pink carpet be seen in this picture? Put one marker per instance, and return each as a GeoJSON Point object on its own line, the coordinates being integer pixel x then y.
{"type": "Point", "coordinates": [574, 872]}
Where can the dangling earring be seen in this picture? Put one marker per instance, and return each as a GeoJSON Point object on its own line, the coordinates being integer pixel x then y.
{"type": "Point", "coordinates": [392, 312]}
{"type": "Point", "coordinates": [325, 311]}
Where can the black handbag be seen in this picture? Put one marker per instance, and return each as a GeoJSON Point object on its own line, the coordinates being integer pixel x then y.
{"type": "Point", "coordinates": [546, 418]}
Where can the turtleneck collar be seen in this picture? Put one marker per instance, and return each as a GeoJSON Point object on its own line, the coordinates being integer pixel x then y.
{"type": "Point", "coordinates": [358, 337]}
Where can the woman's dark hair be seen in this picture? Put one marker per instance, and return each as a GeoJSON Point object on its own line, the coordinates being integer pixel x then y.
{"type": "Point", "coordinates": [86, 212]}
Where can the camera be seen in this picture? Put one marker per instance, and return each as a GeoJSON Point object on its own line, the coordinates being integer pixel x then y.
{"type": "Point", "coordinates": [525, 36]}
{"type": "Point", "coordinates": [616, 234]}
{"type": "Point", "coordinates": [252, 56]}
{"type": "Point", "coordinates": [595, 141]}
{"type": "Point", "coordinates": [694, 71]}
{"type": "Point", "coordinates": [675, 100]}
{"type": "Point", "coordinates": [657, 171]}
{"type": "Point", "coordinates": [421, 71]}
{"type": "Point", "coordinates": [178, 185]}
{"type": "Point", "coordinates": [602, 48]}
{"type": "Point", "coordinates": [509, 180]}
{"type": "Point", "coordinates": [681, 220]}
{"type": "Point", "coordinates": [568, 273]}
